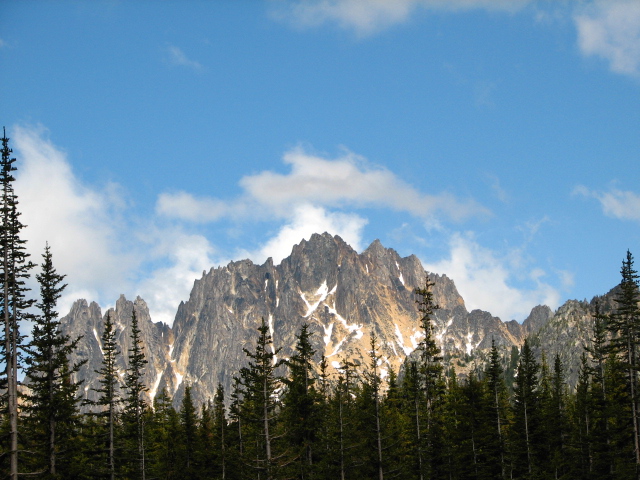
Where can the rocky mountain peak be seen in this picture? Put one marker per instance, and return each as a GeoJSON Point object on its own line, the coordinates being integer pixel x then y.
{"type": "Point", "coordinates": [340, 294]}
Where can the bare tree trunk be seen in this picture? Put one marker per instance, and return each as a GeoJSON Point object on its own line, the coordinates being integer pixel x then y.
{"type": "Point", "coordinates": [12, 387]}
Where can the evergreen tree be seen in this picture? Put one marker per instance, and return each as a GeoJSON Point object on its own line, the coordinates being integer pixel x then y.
{"type": "Point", "coordinates": [220, 435]}
{"type": "Point", "coordinates": [259, 383]}
{"type": "Point", "coordinates": [526, 416]}
{"type": "Point", "coordinates": [15, 267]}
{"type": "Point", "coordinates": [581, 425]}
{"type": "Point", "coordinates": [188, 437]}
{"type": "Point", "coordinates": [236, 431]}
{"type": "Point", "coordinates": [108, 397]}
{"type": "Point", "coordinates": [599, 435]}
{"type": "Point", "coordinates": [371, 411]}
{"type": "Point", "coordinates": [497, 405]}
{"type": "Point", "coordinates": [554, 410]}
{"type": "Point", "coordinates": [431, 383]}
{"type": "Point", "coordinates": [134, 404]}
{"type": "Point", "coordinates": [52, 403]}
{"type": "Point", "coordinates": [342, 429]}
{"type": "Point", "coordinates": [300, 412]}
{"type": "Point", "coordinates": [164, 440]}
{"type": "Point", "coordinates": [625, 324]}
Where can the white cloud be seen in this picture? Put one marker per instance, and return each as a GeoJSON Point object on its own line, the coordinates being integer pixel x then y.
{"type": "Point", "coordinates": [485, 279]}
{"type": "Point", "coordinates": [624, 205]}
{"type": "Point", "coordinates": [371, 16]}
{"type": "Point", "coordinates": [307, 220]}
{"type": "Point", "coordinates": [348, 180]}
{"type": "Point", "coordinates": [187, 207]}
{"type": "Point", "coordinates": [102, 255]}
{"type": "Point", "coordinates": [611, 30]}
{"type": "Point", "coordinates": [79, 222]}
{"type": "Point", "coordinates": [177, 57]}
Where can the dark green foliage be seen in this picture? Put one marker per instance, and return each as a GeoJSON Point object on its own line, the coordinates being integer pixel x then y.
{"type": "Point", "coordinates": [15, 268]}
{"type": "Point", "coordinates": [300, 412]}
{"type": "Point", "coordinates": [108, 400]}
{"type": "Point", "coordinates": [134, 406]}
{"type": "Point", "coordinates": [258, 383]}
{"type": "Point", "coordinates": [625, 327]}
{"type": "Point", "coordinates": [51, 404]}
{"type": "Point", "coordinates": [526, 440]}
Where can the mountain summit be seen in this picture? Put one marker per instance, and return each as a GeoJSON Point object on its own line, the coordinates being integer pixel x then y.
{"type": "Point", "coordinates": [341, 295]}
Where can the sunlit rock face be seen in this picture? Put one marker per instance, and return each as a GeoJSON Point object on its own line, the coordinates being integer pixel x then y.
{"type": "Point", "coordinates": [86, 321]}
{"type": "Point", "coordinates": [343, 297]}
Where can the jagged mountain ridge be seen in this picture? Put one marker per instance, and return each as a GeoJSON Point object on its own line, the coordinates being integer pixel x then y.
{"type": "Point", "coordinates": [340, 294]}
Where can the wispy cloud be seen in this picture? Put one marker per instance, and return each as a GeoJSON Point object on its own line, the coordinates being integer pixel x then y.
{"type": "Point", "coordinates": [499, 192]}
{"type": "Point", "coordinates": [369, 17]}
{"type": "Point", "coordinates": [350, 180]}
{"type": "Point", "coordinates": [611, 30]}
{"type": "Point", "coordinates": [487, 279]}
{"type": "Point", "coordinates": [624, 205]}
{"type": "Point", "coordinates": [177, 57]}
{"type": "Point", "coordinates": [346, 181]}
{"type": "Point", "coordinates": [608, 29]}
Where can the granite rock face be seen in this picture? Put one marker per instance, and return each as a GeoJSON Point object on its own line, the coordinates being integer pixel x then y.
{"type": "Point", "coordinates": [343, 296]}
{"type": "Point", "coordinates": [87, 321]}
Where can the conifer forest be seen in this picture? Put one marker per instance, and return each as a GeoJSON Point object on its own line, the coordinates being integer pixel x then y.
{"type": "Point", "coordinates": [291, 419]}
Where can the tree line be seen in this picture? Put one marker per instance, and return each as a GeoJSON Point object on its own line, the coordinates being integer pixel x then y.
{"type": "Point", "coordinates": [292, 419]}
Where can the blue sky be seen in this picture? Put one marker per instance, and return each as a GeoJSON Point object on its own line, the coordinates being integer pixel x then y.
{"type": "Point", "coordinates": [497, 140]}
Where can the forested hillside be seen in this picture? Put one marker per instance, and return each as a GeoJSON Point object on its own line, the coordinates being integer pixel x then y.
{"type": "Point", "coordinates": [292, 418]}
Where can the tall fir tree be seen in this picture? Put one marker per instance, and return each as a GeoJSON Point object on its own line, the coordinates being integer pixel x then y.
{"type": "Point", "coordinates": [526, 416]}
{"type": "Point", "coordinates": [259, 407]}
{"type": "Point", "coordinates": [108, 397]}
{"type": "Point", "coordinates": [134, 404]}
{"type": "Point", "coordinates": [52, 402]}
{"type": "Point", "coordinates": [220, 435]}
{"type": "Point", "coordinates": [625, 325]}
{"type": "Point", "coordinates": [497, 405]}
{"type": "Point", "coordinates": [598, 403]}
{"type": "Point", "coordinates": [15, 269]}
{"type": "Point", "coordinates": [300, 412]}
{"type": "Point", "coordinates": [431, 382]}
{"type": "Point", "coordinates": [188, 434]}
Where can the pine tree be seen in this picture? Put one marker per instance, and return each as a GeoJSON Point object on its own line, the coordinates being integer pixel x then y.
{"type": "Point", "coordinates": [497, 405]}
{"type": "Point", "coordinates": [15, 267]}
{"type": "Point", "coordinates": [430, 381]}
{"type": "Point", "coordinates": [220, 434]}
{"type": "Point", "coordinates": [555, 423]}
{"type": "Point", "coordinates": [582, 424]}
{"type": "Point", "coordinates": [625, 324]}
{"type": "Point", "coordinates": [526, 416]}
{"type": "Point", "coordinates": [52, 403]}
{"type": "Point", "coordinates": [342, 429]}
{"type": "Point", "coordinates": [205, 454]}
{"type": "Point", "coordinates": [373, 422]}
{"type": "Point", "coordinates": [300, 404]}
{"type": "Point", "coordinates": [599, 434]}
{"type": "Point", "coordinates": [109, 398]}
{"type": "Point", "coordinates": [134, 404]}
{"type": "Point", "coordinates": [236, 431]}
{"type": "Point", "coordinates": [259, 383]}
{"type": "Point", "coordinates": [164, 439]}
{"type": "Point", "coordinates": [188, 437]}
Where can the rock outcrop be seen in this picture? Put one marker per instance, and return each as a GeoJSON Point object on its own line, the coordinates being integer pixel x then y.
{"type": "Point", "coordinates": [341, 295]}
